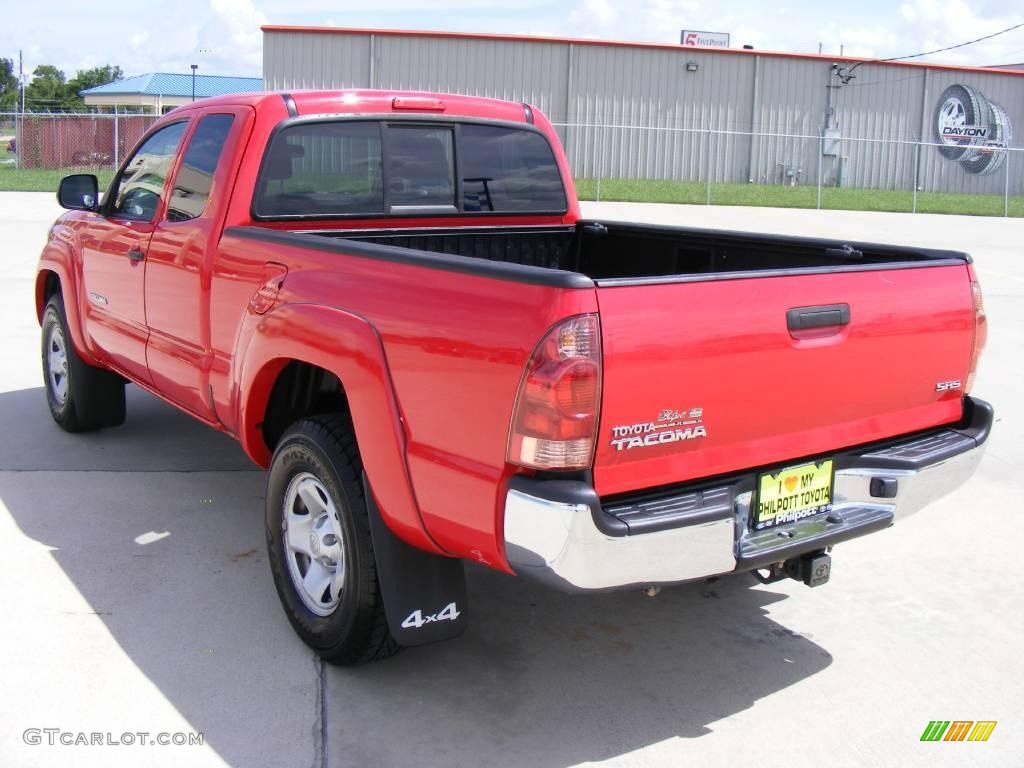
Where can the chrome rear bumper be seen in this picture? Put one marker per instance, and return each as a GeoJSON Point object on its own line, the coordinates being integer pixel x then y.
{"type": "Point", "coordinates": [560, 533]}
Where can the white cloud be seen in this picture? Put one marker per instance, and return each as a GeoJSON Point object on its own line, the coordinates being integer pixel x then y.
{"type": "Point", "coordinates": [601, 11]}
{"type": "Point", "coordinates": [231, 40]}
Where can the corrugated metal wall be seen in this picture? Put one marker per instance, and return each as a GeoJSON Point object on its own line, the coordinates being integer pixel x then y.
{"type": "Point", "coordinates": [315, 60]}
{"type": "Point", "coordinates": [651, 89]}
{"type": "Point", "coordinates": [638, 112]}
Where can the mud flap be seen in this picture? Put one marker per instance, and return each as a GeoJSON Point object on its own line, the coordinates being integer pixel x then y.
{"type": "Point", "coordinates": [424, 594]}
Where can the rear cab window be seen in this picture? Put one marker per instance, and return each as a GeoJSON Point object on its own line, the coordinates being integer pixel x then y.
{"type": "Point", "coordinates": [322, 169]}
{"type": "Point", "coordinates": [508, 171]}
{"type": "Point", "coordinates": [355, 167]}
{"type": "Point", "coordinates": [421, 169]}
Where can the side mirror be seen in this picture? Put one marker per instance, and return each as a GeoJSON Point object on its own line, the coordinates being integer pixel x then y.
{"type": "Point", "coordinates": [79, 192]}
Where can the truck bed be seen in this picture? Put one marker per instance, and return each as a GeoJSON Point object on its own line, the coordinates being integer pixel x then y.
{"type": "Point", "coordinates": [768, 348]}
{"type": "Point", "coordinates": [629, 252]}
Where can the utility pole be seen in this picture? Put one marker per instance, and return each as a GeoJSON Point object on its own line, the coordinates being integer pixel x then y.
{"type": "Point", "coordinates": [194, 68]}
{"type": "Point", "coordinates": [20, 123]}
{"type": "Point", "coordinates": [830, 89]}
{"type": "Point", "coordinates": [21, 79]}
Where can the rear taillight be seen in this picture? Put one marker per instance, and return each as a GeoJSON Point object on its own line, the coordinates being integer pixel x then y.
{"type": "Point", "coordinates": [980, 331]}
{"type": "Point", "coordinates": [554, 422]}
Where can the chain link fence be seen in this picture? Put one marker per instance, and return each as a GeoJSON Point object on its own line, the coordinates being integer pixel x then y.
{"type": "Point", "coordinates": [692, 165]}
{"type": "Point", "coordinates": [730, 167]}
{"type": "Point", "coordinates": [69, 142]}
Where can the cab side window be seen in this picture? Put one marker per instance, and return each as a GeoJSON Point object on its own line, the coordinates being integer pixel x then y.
{"type": "Point", "coordinates": [195, 174]}
{"type": "Point", "coordinates": [141, 183]}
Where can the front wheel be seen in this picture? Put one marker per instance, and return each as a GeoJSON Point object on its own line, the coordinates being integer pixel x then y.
{"type": "Point", "coordinates": [319, 546]}
{"type": "Point", "coordinates": [81, 398]}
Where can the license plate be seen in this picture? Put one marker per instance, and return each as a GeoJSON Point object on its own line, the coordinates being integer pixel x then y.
{"type": "Point", "coordinates": [792, 494]}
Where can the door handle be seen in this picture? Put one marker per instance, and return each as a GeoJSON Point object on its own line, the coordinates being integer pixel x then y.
{"type": "Point", "coordinates": [135, 254]}
{"type": "Point", "coordinates": [802, 318]}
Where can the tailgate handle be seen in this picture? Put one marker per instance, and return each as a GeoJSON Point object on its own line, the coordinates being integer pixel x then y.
{"type": "Point", "coordinates": [801, 318]}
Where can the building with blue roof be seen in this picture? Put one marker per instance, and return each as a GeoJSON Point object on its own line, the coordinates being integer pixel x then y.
{"type": "Point", "coordinates": [160, 92]}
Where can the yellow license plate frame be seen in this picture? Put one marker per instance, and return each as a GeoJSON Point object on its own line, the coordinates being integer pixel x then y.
{"type": "Point", "coordinates": [793, 493]}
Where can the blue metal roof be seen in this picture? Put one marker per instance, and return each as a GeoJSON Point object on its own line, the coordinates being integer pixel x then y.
{"type": "Point", "coordinates": [170, 84]}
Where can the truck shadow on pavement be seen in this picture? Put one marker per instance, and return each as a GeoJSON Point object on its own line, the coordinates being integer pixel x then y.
{"type": "Point", "coordinates": [546, 679]}
{"type": "Point", "coordinates": [158, 524]}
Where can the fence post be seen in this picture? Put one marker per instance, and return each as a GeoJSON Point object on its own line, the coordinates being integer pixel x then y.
{"type": "Point", "coordinates": [821, 153]}
{"type": "Point", "coordinates": [917, 166]}
{"type": "Point", "coordinates": [116, 141]}
{"type": "Point", "coordinates": [1006, 184]}
{"type": "Point", "coordinates": [707, 191]}
{"type": "Point", "coordinates": [60, 143]}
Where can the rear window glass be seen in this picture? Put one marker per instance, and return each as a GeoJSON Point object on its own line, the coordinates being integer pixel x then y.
{"type": "Point", "coordinates": [422, 171]}
{"type": "Point", "coordinates": [337, 168]}
{"type": "Point", "coordinates": [322, 169]}
{"type": "Point", "coordinates": [508, 170]}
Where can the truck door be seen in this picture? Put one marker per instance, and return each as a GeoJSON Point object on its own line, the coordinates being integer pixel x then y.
{"type": "Point", "coordinates": [184, 241]}
{"type": "Point", "coordinates": [114, 253]}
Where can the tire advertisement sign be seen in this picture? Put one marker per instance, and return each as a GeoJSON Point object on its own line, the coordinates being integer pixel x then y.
{"type": "Point", "coordinates": [972, 129]}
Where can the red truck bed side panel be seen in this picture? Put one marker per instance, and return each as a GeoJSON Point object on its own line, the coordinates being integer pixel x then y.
{"type": "Point", "coordinates": [455, 347]}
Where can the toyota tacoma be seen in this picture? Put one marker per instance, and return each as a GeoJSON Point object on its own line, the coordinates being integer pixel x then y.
{"type": "Point", "coordinates": [393, 303]}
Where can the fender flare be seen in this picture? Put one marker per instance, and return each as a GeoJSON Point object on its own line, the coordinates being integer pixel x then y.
{"type": "Point", "coordinates": [348, 346]}
{"type": "Point", "coordinates": [58, 261]}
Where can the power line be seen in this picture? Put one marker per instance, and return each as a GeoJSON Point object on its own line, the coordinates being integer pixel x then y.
{"type": "Point", "coordinates": [848, 74]}
{"type": "Point", "coordinates": [886, 82]}
{"type": "Point", "coordinates": [958, 45]}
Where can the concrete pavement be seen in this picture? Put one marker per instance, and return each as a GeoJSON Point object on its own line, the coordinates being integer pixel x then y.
{"type": "Point", "coordinates": [137, 598]}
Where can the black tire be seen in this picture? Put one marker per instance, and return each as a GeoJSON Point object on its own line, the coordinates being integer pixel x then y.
{"type": "Point", "coordinates": [81, 398]}
{"type": "Point", "coordinates": [355, 631]}
{"type": "Point", "coordinates": [966, 107]}
{"type": "Point", "coordinates": [991, 155]}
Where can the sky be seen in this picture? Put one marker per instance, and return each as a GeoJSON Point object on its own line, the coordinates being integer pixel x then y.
{"type": "Point", "coordinates": [223, 36]}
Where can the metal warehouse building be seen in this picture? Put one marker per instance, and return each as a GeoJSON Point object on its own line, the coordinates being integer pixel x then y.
{"type": "Point", "coordinates": [726, 115]}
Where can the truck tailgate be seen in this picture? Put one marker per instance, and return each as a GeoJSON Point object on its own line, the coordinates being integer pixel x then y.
{"type": "Point", "coordinates": [705, 377]}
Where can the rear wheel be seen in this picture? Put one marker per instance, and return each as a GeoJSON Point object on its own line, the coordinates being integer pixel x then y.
{"type": "Point", "coordinates": [81, 397]}
{"type": "Point", "coordinates": [319, 546]}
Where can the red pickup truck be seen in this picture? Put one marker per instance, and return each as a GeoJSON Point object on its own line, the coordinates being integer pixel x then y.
{"type": "Point", "coordinates": [392, 302]}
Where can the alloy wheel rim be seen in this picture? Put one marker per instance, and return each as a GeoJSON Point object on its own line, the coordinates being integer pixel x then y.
{"type": "Point", "coordinates": [57, 364]}
{"type": "Point", "coordinates": [314, 544]}
{"type": "Point", "coordinates": [952, 115]}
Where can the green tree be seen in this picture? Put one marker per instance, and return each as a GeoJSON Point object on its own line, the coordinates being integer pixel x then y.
{"type": "Point", "coordinates": [90, 78]}
{"type": "Point", "coordinates": [47, 90]}
{"type": "Point", "coordinates": [8, 85]}
{"type": "Point", "coordinates": [50, 90]}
